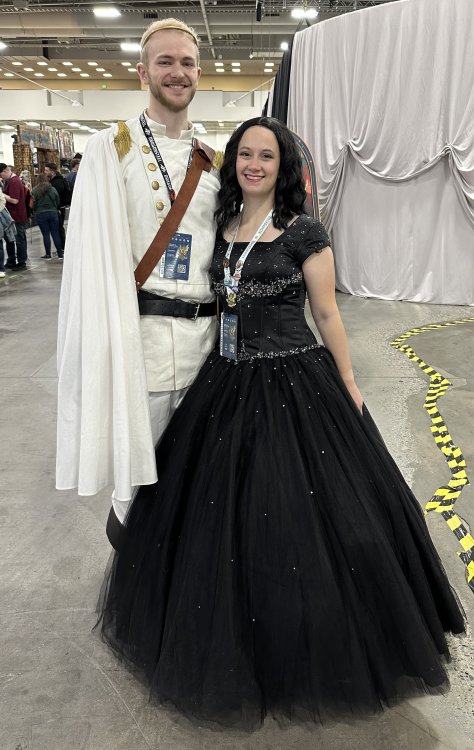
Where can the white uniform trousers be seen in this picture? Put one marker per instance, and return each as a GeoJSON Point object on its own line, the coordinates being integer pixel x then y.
{"type": "Point", "coordinates": [162, 406]}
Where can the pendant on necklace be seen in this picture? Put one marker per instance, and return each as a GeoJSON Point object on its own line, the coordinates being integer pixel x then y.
{"type": "Point", "coordinates": [231, 298]}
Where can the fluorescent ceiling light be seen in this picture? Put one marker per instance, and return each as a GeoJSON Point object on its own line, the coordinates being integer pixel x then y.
{"type": "Point", "coordinates": [29, 70]}
{"type": "Point", "coordinates": [67, 64]}
{"type": "Point", "coordinates": [39, 75]}
{"type": "Point", "coordinates": [235, 70]}
{"type": "Point", "coordinates": [235, 65]}
{"type": "Point", "coordinates": [3, 45]}
{"type": "Point", "coordinates": [9, 75]}
{"type": "Point", "coordinates": [130, 46]}
{"type": "Point", "coordinates": [85, 75]}
{"type": "Point", "coordinates": [106, 11]}
{"type": "Point", "coordinates": [220, 70]}
{"type": "Point", "coordinates": [304, 13]}
{"type": "Point", "coordinates": [131, 70]}
{"type": "Point", "coordinates": [33, 124]}
{"type": "Point", "coordinates": [284, 46]}
{"type": "Point", "coordinates": [269, 64]}
{"type": "Point", "coordinates": [218, 64]}
{"type": "Point", "coordinates": [53, 70]}
{"type": "Point", "coordinates": [41, 62]}
{"type": "Point", "coordinates": [107, 75]}
{"type": "Point", "coordinates": [15, 62]}
{"type": "Point", "coordinates": [126, 64]}
{"type": "Point", "coordinates": [76, 70]}
{"type": "Point", "coordinates": [100, 70]}
{"type": "Point", "coordinates": [93, 64]}
{"type": "Point", "coordinates": [62, 75]}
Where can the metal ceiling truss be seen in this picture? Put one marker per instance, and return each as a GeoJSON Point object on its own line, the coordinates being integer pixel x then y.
{"type": "Point", "coordinates": [224, 26]}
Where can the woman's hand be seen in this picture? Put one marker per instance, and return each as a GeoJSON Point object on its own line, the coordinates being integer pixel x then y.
{"type": "Point", "coordinates": [355, 394]}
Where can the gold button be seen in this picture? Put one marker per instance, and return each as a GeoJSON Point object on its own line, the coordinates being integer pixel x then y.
{"type": "Point", "coordinates": [160, 205]}
{"type": "Point", "coordinates": [152, 167]}
{"type": "Point", "coordinates": [161, 222]}
{"type": "Point", "coordinates": [155, 185]}
{"type": "Point", "coordinates": [146, 149]}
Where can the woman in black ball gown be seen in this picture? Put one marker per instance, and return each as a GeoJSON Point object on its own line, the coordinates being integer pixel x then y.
{"type": "Point", "coordinates": [281, 564]}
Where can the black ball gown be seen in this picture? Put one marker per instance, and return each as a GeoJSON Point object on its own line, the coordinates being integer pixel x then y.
{"type": "Point", "coordinates": [281, 563]}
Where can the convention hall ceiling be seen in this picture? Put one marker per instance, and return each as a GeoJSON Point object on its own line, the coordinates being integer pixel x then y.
{"type": "Point", "coordinates": [41, 37]}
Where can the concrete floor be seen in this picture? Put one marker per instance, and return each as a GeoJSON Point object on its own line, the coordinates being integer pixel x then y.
{"type": "Point", "coordinates": [60, 687]}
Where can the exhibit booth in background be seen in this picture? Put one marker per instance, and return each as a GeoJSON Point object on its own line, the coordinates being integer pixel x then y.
{"type": "Point", "coordinates": [384, 99]}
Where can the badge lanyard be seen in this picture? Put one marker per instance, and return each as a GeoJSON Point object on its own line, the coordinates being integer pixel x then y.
{"type": "Point", "coordinates": [159, 159]}
{"type": "Point", "coordinates": [231, 281]}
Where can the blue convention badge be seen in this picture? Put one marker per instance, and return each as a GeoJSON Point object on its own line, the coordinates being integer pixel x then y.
{"type": "Point", "coordinates": [228, 342]}
{"type": "Point", "coordinates": [175, 261]}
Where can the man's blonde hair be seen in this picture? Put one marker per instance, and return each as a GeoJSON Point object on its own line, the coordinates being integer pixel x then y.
{"type": "Point", "coordinates": [166, 24]}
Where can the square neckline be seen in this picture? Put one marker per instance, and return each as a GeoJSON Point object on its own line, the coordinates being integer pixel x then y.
{"type": "Point", "coordinates": [267, 242]}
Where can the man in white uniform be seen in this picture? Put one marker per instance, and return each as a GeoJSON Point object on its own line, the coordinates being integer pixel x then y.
{"type": "Point", "coordinates": [121, 375]}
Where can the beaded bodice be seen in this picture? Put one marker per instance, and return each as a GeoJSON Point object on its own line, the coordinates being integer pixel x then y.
{"type": "Point", "coordinates": [272, 292]}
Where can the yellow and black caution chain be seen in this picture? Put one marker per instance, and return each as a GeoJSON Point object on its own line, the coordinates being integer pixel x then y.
{"type": "Point", "coordinates": [445, 497]}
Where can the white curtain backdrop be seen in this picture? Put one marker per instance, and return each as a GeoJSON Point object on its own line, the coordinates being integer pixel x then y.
{"type": "Point", "coordinates": [384, 98]}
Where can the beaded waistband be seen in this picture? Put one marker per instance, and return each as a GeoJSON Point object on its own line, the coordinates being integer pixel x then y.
{"type": "Point", "coordinates": [244, 356]}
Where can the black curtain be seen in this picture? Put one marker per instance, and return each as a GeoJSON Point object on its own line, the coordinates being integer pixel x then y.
{"type": "Point", "coordinates": [281, 88]}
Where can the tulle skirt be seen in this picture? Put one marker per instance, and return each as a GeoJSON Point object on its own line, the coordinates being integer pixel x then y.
{"type": "Point", "coordinates": [281, 564]}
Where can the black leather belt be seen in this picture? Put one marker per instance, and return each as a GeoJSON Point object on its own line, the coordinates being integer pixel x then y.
{"type": "Point", "coordinates": [152, 304]}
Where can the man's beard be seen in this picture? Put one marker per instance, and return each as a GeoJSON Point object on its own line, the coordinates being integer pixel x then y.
{"type": "Point", "coordinates": [174, 106]}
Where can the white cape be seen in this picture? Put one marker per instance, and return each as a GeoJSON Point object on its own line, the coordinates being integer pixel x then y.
{"type": "Point", "coordinates": [104, 432]}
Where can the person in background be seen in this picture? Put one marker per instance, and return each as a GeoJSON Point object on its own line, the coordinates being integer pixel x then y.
{"type": "Point", "coordinates": [25, 177]}
{"type": "Point", "coordinates": [45, 209]}
{"type": "Point", "coordinates": [71, 177]}
{"type": "Point", "coordinates": [14, 192]}
{"type": "Point", "coordinates": [60, 184]}
{"type": "Point", "coordinates": [3, 203]}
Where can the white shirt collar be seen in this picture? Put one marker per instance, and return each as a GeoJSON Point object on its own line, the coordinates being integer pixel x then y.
{"type": "Point", "coordinates": [160, 130]}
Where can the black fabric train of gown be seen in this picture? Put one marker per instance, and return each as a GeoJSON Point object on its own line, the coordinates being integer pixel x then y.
{"type": "Point", "coordinates": [281, 564]}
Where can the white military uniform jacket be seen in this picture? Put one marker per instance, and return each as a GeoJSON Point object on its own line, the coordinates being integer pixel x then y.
{"type": "Point", "coordinates": [109, 358]}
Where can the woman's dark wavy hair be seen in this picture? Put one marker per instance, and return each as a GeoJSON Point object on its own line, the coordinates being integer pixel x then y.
{"type": "Point", "coordinates": [290, 193]}
{"type": "Point", "coordinates": [42, 185]}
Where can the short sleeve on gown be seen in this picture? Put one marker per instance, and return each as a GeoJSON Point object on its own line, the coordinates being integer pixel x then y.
{"type": "Point", "coordinates": [314, 240]}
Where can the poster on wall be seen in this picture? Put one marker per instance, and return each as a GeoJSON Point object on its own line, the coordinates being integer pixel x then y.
{"type": "Point", "coordinates": [53, 138]}
{"type": "Point", "coordinates": [66, 144]}
{"type": "Point", "coordinates": [39, 138]}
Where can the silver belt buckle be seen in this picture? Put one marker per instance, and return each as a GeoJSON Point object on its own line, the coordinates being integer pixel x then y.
{"type": "Point", "coordinates": [198, 305]}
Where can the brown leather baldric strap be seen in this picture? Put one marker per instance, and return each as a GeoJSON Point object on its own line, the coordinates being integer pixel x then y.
{"type": "Point", "coordinates": [200, 162]}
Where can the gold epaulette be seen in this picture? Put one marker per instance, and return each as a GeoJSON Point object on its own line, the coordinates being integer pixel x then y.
{"type": "Point", "coordinates": [122, 140]}
{"type": "Point", "coordinates": [218, 160]}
